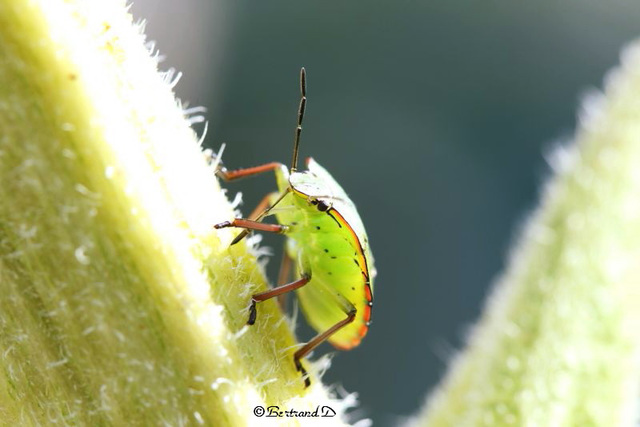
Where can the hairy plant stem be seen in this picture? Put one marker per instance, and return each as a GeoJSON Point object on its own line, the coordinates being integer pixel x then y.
{"type": "Point", "coordinates": [558, 343]}
{"type": "Point", "coordinates": [120, 304]}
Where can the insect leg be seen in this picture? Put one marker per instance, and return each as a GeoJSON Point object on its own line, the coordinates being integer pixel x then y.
{"type": "Point", "coordinates": [350, 311]}
{"type": "Point", "coordinates": [254, 224]}
{"type": "Point", "coordinates": [264, 204]}
{"type": "Point", "coordinates": [228, 175]}
{"type": "Point", "coordinates": [283, 277]}
{"type": "Point", "coordinates": [278, 290]}
{"type": "Point", "coordinates": [257, 213]}
{"type": "Point", "coordinates": [249, 224]}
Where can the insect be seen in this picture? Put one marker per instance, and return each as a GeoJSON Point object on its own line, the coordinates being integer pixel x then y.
{"type": "Point", "coordinates": [327, 241]}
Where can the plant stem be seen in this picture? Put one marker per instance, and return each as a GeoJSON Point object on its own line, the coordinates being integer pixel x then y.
{"type": "Point", "coordinates": [559, 341]}
{"type": "Point", "coordinates": [120, 303]}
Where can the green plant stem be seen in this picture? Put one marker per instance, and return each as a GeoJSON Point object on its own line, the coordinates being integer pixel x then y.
{"type": "Point", "coordinates": [120, 304]}
{"type": "Point", "coordinates": [559, 341]}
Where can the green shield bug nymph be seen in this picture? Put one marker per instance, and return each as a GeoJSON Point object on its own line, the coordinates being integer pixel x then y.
{"type": "Point", "coordinates": [326, 239]}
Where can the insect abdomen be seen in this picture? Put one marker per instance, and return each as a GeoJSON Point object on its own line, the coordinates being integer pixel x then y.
{"type": "Point", "coordinates": [334, 255]}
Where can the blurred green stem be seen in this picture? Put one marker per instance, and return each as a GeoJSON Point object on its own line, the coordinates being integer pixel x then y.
{"type": "Point", "coordinates": [120, 305]}
{"type": "Point", "coordinates": [559, 341]}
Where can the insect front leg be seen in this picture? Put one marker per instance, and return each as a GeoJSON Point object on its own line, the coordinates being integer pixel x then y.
{"type": "Point", "coordinates": [228, 175]}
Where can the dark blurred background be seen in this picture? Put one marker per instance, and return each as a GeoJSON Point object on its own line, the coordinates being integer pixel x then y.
{"type": "Point", "coordinates": [433, 115]}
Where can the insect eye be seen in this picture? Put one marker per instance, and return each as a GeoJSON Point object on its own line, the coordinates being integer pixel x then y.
{"type": "Point", "coordinates": [322, 206]}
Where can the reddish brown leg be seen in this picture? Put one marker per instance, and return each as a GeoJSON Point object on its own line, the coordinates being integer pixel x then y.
{"type": "Point", "coordinates": [248, 224]}
{"type": "Point", "coordinates": [316, 341]}
{"type": "Point", "coordinates": [256, 215]}
{"type": "Point", "coordinates": [228, 175]}
{"type": "Point", "coordinates": [255, 224]}
{"type": "Point", "coordinates": [278, 290]}
{"type": "Point", "coordinates": [264, 205]}
{"type": "Point", "coordinates": [283, 277]}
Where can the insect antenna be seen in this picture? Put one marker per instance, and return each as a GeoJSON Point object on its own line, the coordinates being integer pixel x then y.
{"type": "Point", "coordinates": [303, 104]}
